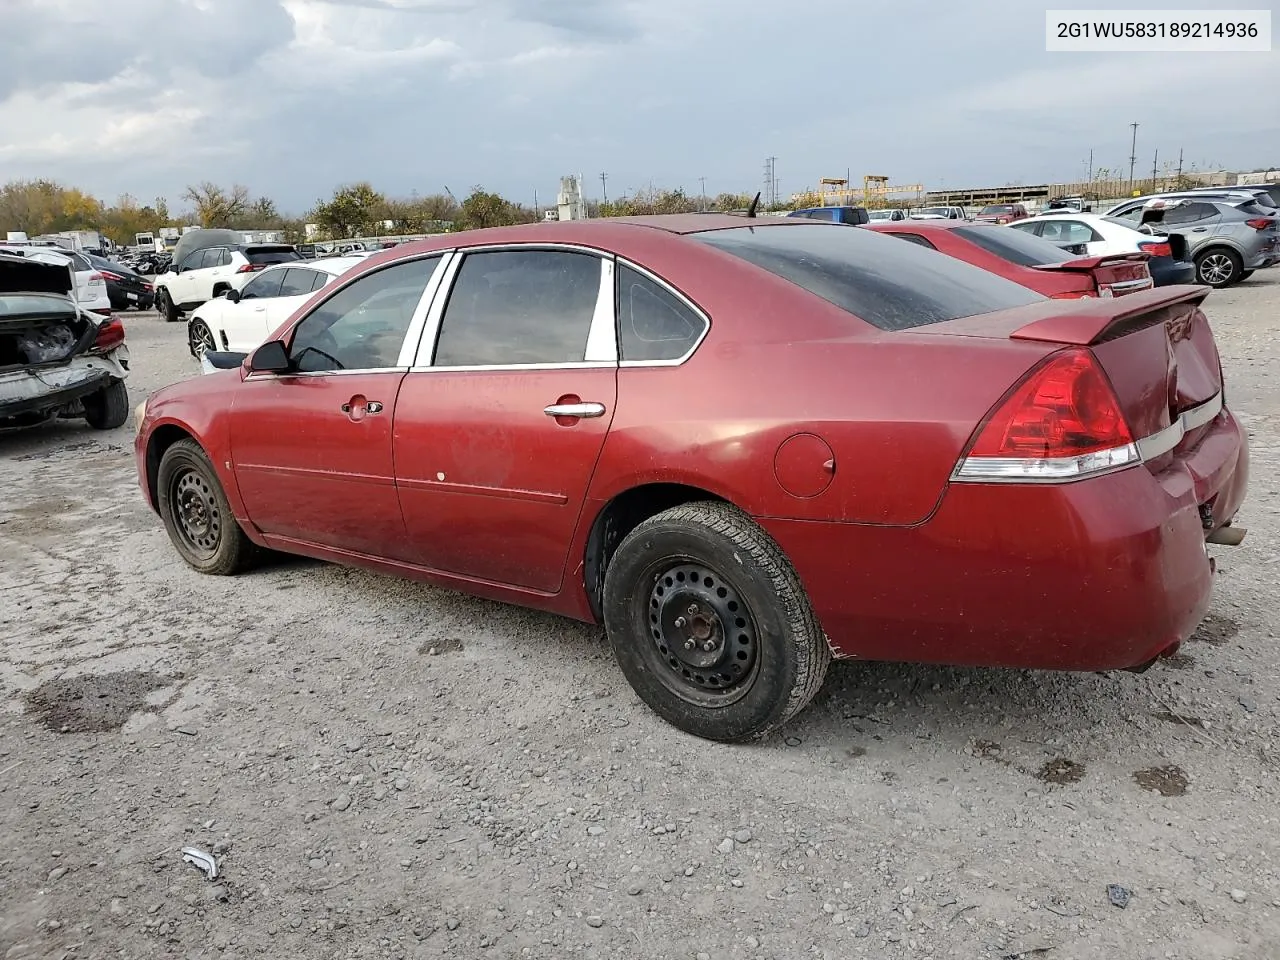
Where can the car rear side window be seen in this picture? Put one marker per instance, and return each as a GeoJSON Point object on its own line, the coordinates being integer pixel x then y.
{"type": "Point", "coordinates": [270, 255]}
{"type": "Point", "coordinates": [319, 280]}
{"type": "Point", "coordinates": [513, 307]}
{"type": "Point", "coordinates": [914, 238]}
{"type": "Point", "coordinates": [296, 282]}
{"type": "Point", "coordinates": [1014, 245]}
{"type": "Point", "coordinates": [890, 284]}
{"type": "Point", "coordinates": [653, 323]}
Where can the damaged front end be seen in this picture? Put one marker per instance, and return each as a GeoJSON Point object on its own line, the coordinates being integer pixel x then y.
{"type": "Point", "coordinates": [55, 359]}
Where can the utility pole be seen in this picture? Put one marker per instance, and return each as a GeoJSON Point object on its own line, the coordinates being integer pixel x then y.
{"type": "Point", "coordinates": [1179, 167]}
{"type": "Point", "coordinates": [770, 181]}
{"type": "Point", "coordinates": [702, 182]}
{"type": "Point", "coordinates": [604, 187]}
{"type": "Point", "coordinates": [536, 212]}
{"type": "Point", "coordinates": [1090, 180]}
{"type": "Point", "coordinates": [1133, 154]}
{"type": "Point", "coordinates": [1155, 160]}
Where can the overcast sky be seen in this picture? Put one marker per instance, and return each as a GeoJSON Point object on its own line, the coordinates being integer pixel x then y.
{"type": "Point", "coordinates": [292, 97]}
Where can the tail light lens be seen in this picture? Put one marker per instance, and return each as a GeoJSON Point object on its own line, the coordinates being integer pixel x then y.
{"type": "Point", "coordinates": [1063, 422]}
{"type": "Point", "coordinates": [110, 334]}
{"type": "Point", "coordinates": [1071, 295]}
{"type": "Point", "coordinates": [251, 268]}
{"type": "Point", "coordinates": [95, 279]}
{"type": "Point", "coordinates": [108, 275]}
{"type": "Point", "coordinates": [1157, 249]}
{"type": "Point", "coordinates": [1259, 223]}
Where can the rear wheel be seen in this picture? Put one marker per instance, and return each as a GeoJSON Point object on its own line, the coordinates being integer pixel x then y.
{"type": "Point", "coordinates": [1218, 267]}
{"type": "Point", "coordinates": [199, 338]}
{"type": "Point", "coordinates": [710, 623]}
{"type": "Point", "coordinates": [196, 514]}
{"type": "Point", "coordinates": [108, 408]}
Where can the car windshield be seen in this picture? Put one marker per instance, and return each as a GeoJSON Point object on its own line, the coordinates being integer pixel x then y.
{"type": "Point", "coordinates": [940, 211]}
{"type": "Point", "coordinates": [890, 284]}
{"type": "Point", "coordinates": [880, 214]}
{"type": "Point", "coordinates": [1015, 245]}
{"type": "Point", "coordinates": [996, 209]}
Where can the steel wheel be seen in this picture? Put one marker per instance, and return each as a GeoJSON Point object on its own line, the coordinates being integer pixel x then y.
{"type": "Point", "coordinates": [704, 645]}
{"type": "Point", "coordinates": [198, 515]}
{"type": "Point", "coordinates": [200, 338]}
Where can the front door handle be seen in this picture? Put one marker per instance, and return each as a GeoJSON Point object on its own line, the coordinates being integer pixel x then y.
{"type": "Point", "coordinates": [1199, 229]}
{"type": "Point", "coordinates": [581, 410]}
{"type": "Point", "coordinates": [361, 406]}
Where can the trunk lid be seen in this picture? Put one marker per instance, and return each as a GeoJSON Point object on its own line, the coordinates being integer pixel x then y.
{"type": "Point", "coordinates": [1156, 347]}
{"type": "Point", "coordinates": [1113, 276]}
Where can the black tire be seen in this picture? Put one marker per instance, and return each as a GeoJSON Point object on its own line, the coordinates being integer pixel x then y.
{"type": "Point", "coordinates": [199, 335]}
{"type": "Point", "coordinates": [168, 309]}
{"type": "Point", "coordinates": [1218, 267]}
{"type": "Point", "coordinates": [768, 654]}
{"type": "Point", "coordinates": [1246, 274]}
{"type": "Point", "coordinates": [196, 514]}
{"type": "Point", "coordinates": [108, 408]}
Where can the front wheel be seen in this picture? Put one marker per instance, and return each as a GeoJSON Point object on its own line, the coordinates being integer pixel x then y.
{"type": "Point", "coordinates": [108, 408]}
{"type": "Point", "coordinates": [1218, 267]}
{"type": "Point", "coordinates": [168, 309]}
{"type": "Point", "coordinates": [710, 624]}
{"type": "Point", "coordinates": [196, 514]}
{"type": "Point", "coordinates": [199, 338]}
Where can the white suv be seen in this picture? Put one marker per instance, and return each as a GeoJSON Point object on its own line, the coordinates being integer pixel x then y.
{"type": "Point", "coordinates": [211, 271]}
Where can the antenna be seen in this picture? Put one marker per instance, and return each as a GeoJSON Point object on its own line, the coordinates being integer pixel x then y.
{"type": "Point", "coordinates": [751, 210]}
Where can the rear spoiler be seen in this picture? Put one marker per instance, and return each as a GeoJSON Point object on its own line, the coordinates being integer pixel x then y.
{"type": "Point", "coordinates": [1092, 321]}
{"type": "Point", "coordinates": [1092, 263]}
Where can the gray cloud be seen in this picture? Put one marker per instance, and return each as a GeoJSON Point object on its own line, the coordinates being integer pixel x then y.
{"type": "Point", "coordinates": [292, 97]}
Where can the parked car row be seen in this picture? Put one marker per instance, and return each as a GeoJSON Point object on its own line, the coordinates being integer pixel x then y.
{"type": "Point", "coordinates": [492, 412]}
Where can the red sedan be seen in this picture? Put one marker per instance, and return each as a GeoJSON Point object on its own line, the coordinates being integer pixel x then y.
{"type": "Point", "coordinates": [744, 446]}
{"type": "Point", "coordinates": [1031, 261]}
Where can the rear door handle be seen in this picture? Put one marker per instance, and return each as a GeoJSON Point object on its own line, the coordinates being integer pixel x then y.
{"type": "Point", "coordinates": [370, 406]}
{"type": "Point", "coordinates": [1199, 229]}
{"type": "Point", "coordinates": [580, 410]}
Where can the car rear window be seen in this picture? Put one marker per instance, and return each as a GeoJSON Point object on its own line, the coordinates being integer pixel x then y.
{"type": "Point", "coordinates": [269, 255]}
{"type": "Point", "coordinates": [890, 284]}
{"type": "Point", "coordinates": [1015, 246]}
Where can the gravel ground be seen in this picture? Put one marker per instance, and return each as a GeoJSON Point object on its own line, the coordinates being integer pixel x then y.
{"type": "Point", "coordinates": [390, 770]}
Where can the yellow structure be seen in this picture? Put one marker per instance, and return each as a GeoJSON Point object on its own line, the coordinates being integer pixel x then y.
{"type": "Point", "coordinates": [876, 191]}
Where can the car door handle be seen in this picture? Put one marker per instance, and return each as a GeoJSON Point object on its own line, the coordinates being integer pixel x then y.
{"type": "Point", "coordinates": [582, 411]}
{"type": "Point", "coordinates": [370, 406]}
{"type": "Point", "coordinates": [1199, 229]}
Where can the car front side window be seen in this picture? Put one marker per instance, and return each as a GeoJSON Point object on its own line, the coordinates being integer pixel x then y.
{"type": "Point", "coordinates": [363, 326]}
{"type": "Point", "coordinates": [263, 286]}
{"type": "Point", "coordinates": [518, 307]}
{"type": "Point", "coordinates": [191, 261]}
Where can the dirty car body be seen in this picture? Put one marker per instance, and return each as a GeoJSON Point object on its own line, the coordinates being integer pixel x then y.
{"type": "Point", "coordinates": [744, 446]}
{"type": "Point", "coordinates": [55, 359]}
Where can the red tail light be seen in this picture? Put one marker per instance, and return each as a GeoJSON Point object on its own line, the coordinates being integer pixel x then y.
{"type": "Point", "coordinates": [108, 275]}
{"type": "Point", "coordinates": [1062, 422]}
{"type": "Point", "coordinates": [1071, 295]}
{"type": "Point", "coordinates": [251, 268]}
{"type": "Point", "coordinates": [1156, 249]}
{"type": "Point", "coordinates": [1259, 223]}
{"type": "Point", "coordinates": [110, 334]}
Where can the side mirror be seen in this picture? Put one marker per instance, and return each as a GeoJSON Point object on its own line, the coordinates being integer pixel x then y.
{"type": "Point", "coordinates": [233, 295]}
{"type": "Point", "coordinates": [271, 357]}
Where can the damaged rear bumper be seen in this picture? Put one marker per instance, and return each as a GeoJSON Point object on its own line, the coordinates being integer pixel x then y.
{"type": "Point", "coordinates": [41, 389]}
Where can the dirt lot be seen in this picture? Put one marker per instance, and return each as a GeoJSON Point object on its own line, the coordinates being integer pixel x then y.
{"type": "Point", "coordinates": [390, 770]}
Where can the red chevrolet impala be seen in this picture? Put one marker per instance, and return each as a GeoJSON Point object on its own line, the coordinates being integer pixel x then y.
{"type": "Point", "coordinates": [1031, 261]}
{"type": "Point", "coordinates": [744, 446]}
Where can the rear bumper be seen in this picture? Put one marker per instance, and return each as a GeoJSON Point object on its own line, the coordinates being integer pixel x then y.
{"type": "Point", "coordinates": [1101, 574]}
{"type": "Point", "coordinates": [53, 389]}
{"type": "Point", "coordinates": [1165, 271]}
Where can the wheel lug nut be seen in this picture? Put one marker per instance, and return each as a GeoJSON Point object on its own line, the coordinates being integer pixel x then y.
{"type": "Point", "coordinates": [693, 608]}
{"type": "Point", "coordinates": [689, 644]}
{"type": "Point", "coordinates": [681, 621]}
{"type": "Point", "coordinates": [709, 646]}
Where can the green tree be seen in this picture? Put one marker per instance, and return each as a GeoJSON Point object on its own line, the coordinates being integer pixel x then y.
{"type": "Point", "coordinates": [351, 212]}
{"type": "Point", "coordinates": [483, 209]}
